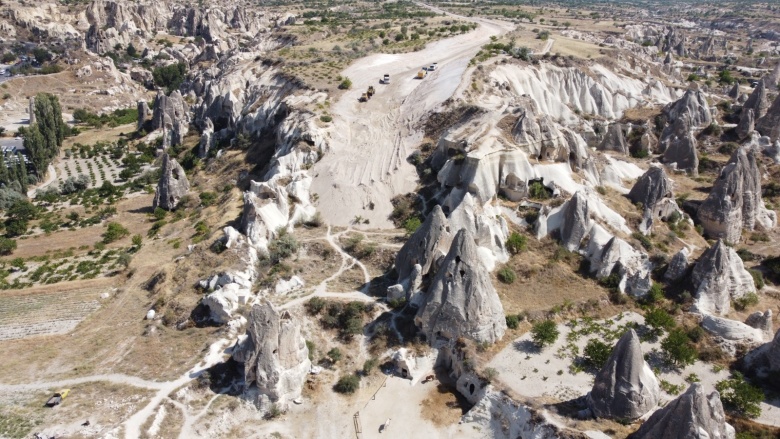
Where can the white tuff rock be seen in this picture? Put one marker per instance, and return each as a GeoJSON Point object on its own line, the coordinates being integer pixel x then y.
{"type": "Point", "coordinates": [718, 277]}
{"type": "Point", "coordinates": [626, 387]}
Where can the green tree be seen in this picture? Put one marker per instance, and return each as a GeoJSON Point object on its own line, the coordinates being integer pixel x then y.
{"type": "Point", "coordinates": [7, 246]}
{"type": "Point", "coordinates": [597, 353]}
{"type": "Point", "coordinates": [516, 243]}
{"type": "Point", "coordinates": [678, 348]}
{"type": "Point", "coordinates": [512, 321]}
{"type": "Point", "coordinates": [740, 396]}
{"type": "Point", "coordinates": [347, 384]}
{"type": "Point", "coordinates": [334, 355]}
{"type": "Point", "coordinates": [171, 77]}
{"type": "Point", "coordinates": [412, 224]}
{"type": "Point", "coordinates": [43, 139]}
{"type": "Point", "coordinates": [544, 333]}
{"type": "Point", "coordinates": [659, 320]}
{"type": "Point", "coordinates": [137, 240]}
{"type": "Point", "coordinates": [114, 232]}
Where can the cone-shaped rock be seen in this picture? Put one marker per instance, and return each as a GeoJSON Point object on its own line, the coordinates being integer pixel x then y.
{"type": "Point", "coordinates": [143, 114]}
{"type": "Point", "coordinates": [695, 104]}
{"type": "Point", "coordinates": [430, 242]}
{"type": "Point", "coordinates": [692, 415]}
{"type": "Point", "coordinates": [626, 387]}
{"type": "Point", "coordinates": [614, 140]}
{"type": "Point", "coordinates": [678, 266]}
{"type": "Point", "coordinates": [769, 125]}
{"type": "Point", "coordinates": [652, 187]}
{"type": "Point", "coordinates": [576, 221]}
{"type": "Point", "coordinates": [275, 356]}
{"type": "Point", "coordinates": [173, 185]}
{"type": "Point", "coordinates": [734, 92]}
{"type": "Point", "coordinates": [734, 203]}
{"type": "Point", "coordinates": [718, 277]}
{"type": "Point", "coordinates": [757, 101]}
{"type": "Point", "coordinates": [747, 123]}
{"type": "Point", "coordinates": [679, 145]}
{"type": "Point", "coordinates": [461, 301]}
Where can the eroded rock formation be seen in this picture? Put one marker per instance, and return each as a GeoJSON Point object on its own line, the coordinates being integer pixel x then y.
{"type": "Point", "coordinates": [654, 191]}
{"type": "Point", "coordinates": [171, 114]}
{"type": "Point", "coordinates": [718, 277]}
{"type": "Point", "coordinates": [735, 203]}
{"type": "Point", "coordinates": [461, 301]}
{"type": "Point", "coordinates": [695, 104]}
{"type": "Point", "coordinates": [678, 145]}
{"type": "Point", "coordinates": [757, 101]}
{"type": "Point", "coordinates": [769, 124]}
{"type": "Point", "coordinates": [626, 387]}
{"type": "Point", "coordinates": [614, 139]}
{"type": "Point", "coordinates": [275, 356]}
{"type": "Point", "coordinates": [428, 243]}
{"type": "Point", "coordinates": [173, 184]}
{"type": "Point", "coordinates": [691, 415]}
{"type": "Point", "coordinates": [678, 266]}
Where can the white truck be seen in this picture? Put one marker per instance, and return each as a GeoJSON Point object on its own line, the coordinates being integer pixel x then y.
{"type": "Point", "coordinates": [386, 79]}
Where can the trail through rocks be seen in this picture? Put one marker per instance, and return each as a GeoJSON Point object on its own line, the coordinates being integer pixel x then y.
{"type": "Point", "coordinates": [366, 166]}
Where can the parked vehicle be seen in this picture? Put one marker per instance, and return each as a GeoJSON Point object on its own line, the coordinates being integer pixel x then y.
{"type": "Point", "coordinates": [433, 67]}
{"type": "Point", "coordinates": [386, 79]}
{"type": "Point", "coordinates": [57, 398]}
{"type": "Point", "coordinates": [421, 74]}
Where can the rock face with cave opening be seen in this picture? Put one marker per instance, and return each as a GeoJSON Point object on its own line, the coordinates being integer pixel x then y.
{"type": "Point", "coordinates": [691, 415]}
{"type": "Point", "coordinates": [626, 387]}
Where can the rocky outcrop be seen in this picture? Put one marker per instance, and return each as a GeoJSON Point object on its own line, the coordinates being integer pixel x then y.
{"type": "Point", "coordinates": [172, 115]}
{"type": "Point", "coordinates": [735, 203]}
{"type": "Point", "coordinates": [275, 356]}
{"type": "Point", "coordinates": [757, 101]}
{"type": "Point", "coordinates": [734, 91]}
{"type": "Point", "coordinates": [461, 301]}
{"type": "Point", "coordinates": [654, 191]}
{"type": "Point", "coordinates": [695, 104]}
{"type": "Point", "coordinates": [173, 185]}
{"type": "Point", "coordinates": [678, 266]}
{"type": "Point", "coordinates": [747, 123]}
{"type": "Point", "coordinates": [730, 335]}
{"type": "Point", "coordinates": [678, 145]}
{"type": "Point", "coordinates": [718, 277]}
{"type": "Point", "coordinates": [412, 366]}
{"type": "Point", "coordinates": [542, 137]}
{"type": "Point", "coordinates": [773, 353]}
{"type": "Point", "coordinates": [769, 125]}
{"type": "Point", "coordinates": [763, 322]}
{"type": "Point", "coordinates": [498, 416]}
{"type": "Point", "coordinates": [143, 114]}
{"type": "Point", "coordinates": [207, 140]}
{"type": "Point", "coordinates": [614, 140]}
{"type": "Point", "coordinates": [691, 415]}
{"type": "Point", "coordinates": [576, 222]}
{"type": "Point", "coordinates": [428, 244]}
{"type": "Point", "coordinates": [632, 266]}
{"type": "Point", "coordinates": [626, 387]}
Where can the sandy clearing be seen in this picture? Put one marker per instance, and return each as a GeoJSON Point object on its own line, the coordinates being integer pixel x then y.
{"type": "Point", "coordinates": [366, 166]}
{"type": "Point", "coordinates": [401, 402]}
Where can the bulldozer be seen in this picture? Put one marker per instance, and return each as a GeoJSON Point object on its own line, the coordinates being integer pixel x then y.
{"type": "Point", "coordinates": [421, 74]}
{"type": "Point", "coordinates": [371, 91]}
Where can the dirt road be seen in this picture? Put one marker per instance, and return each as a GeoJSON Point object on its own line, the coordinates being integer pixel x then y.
{"type": "Point", "coordinates": [367, 165]}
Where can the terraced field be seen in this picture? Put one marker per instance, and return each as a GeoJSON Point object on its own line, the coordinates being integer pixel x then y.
{"type": "Point", "coordinates": [45, 313]}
